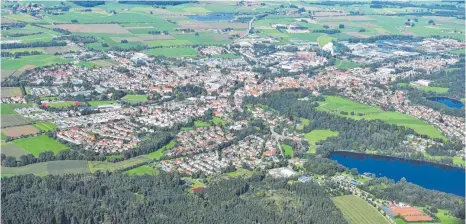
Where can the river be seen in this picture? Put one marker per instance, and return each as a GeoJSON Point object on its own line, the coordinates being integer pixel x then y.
{"type": "Point", "coordinates": [428, 175]}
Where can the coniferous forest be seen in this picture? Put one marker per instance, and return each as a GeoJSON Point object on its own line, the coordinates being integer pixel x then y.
{"type": "Point", "coordinates": [165, 198]}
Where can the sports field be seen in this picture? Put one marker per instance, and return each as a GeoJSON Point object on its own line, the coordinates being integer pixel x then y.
{"type": "Point", "coordinates": [142, 170]}
{"type": "Point", "coordinates": [334, 104]}
{"type": "Point", "coordinates": [38, 144]}
{"type": "Point", "coordinates": [357, 211]}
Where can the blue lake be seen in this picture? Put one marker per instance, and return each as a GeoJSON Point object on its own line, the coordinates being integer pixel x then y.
{"type": "Point", "coordinates": [447, 102]}
{"type": "Point", "coordinates": [213, 18]}
{"type": "Point", "coordinates": [428, 175]}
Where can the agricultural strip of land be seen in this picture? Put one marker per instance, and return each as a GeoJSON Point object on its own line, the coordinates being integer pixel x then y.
{"type": "Point", "coordinates": [357, 211]}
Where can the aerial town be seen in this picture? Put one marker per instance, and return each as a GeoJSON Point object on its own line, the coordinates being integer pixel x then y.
{"type": "Point", "coordinates": [290, 93]}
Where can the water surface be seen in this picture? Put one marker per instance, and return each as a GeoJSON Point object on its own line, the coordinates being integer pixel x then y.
{"type": "Point", "coordinates": [428, 175]}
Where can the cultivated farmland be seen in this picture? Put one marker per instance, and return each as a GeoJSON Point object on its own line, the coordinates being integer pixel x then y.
{"type": "Point", "coordinates": [45, 126]}
{"type": "Point", "coordinates": [9, 120]}
{"type": "Point", "coordinates": [94, 28]}
{"type": "Point", "coordinates": [10, 92]}
{"type": "Point", "coordinates": [67, 166]}
{"type": "Point", "coordinates": [357, 211]}
{"type": "Point", "coordinates": [17, 131]}
{"type": "Point", "coordinates": [10, 149]}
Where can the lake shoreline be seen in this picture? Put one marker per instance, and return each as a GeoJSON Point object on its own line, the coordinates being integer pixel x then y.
{"type": "Point", "coordinates": [414, 161]}
{"type": "Point", "coordinates": [428, 175]}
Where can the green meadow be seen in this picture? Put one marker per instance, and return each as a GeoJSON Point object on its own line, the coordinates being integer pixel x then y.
{"type": "Point", "coordinates": [334, 104]}
{"type": "Point", "coordinates": [38, 144]}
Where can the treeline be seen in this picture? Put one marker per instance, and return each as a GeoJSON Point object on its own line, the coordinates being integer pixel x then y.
{"type": "Point", "coordinates": [52, 43]}
{"type": "Point", "coordinates": [403, 191]}
{"type": "Point", "coordinates": [19, 54]}
{"type": "Point", "coordinates": [384, 37]}
{"type": "Point", "coordinates": [88, 3]}
{"type": "Point", "coordinates": [330, 31]}
{"type": "Point", "coordinates": [118, 198]}
{"type": "Point", "coordinates": [155, 2]}
{"type": "Point", "coordinates": [23, 34]}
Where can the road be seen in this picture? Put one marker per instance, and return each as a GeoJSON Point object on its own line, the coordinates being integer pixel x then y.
{"type": "Point", "coordinates": [249, 28]}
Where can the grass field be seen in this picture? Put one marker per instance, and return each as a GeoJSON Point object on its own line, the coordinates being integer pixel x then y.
{"type": "Point", "coordinates": [357, 211]}
{"type": "Point", "coordinates": [160, 152]}
{"type": "Point", "coordinates": [317, 136]}
{"type": "Point", "coordinates": [240, 172]}
{"type": "Point", "coordinates": [142, 170]}
{"type": "Point", "coordinates": [432, 89]}
{"type": "Point", "coordinates": [45, 126]}
{"type": "Point", "coordinates": [218, 120]}
{"type": "Point", "coordinates": [9, 108]}
{"type": "Point", "coordinates": [53, 167]}
{"type": "Point", "coordinates": [38, 144]}
{"type": "Point", "coordinates": [288, 150]}
{"type": "Point", "coordinates": [195, 182]}
{"type": "Point", "coordinates": [135, 98]}
{"type": "Point", "coordinates": [108, 166]}
{"type": "Point", "coordinates": [335, 105]}
{"type": "Point", "coordinates": [36, 60]}
{"type": "Point", "coordinates": [302, 122]}
{"type": "Point", "coordinates": [345, 64]}
{"type": "Point", "coordinates": [200, 124]}
{"type": "Point", "coordinates": [101, 102]}
{"type": "Point", "coordinates": [173, 52]}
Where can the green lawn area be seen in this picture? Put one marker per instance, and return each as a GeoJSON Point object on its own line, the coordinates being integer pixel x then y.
{"type": "Point", "coordinates": [303, 122]}
{"type": "Point", "coordinates": [135, 97]}
{"type": "Point", "coordinates": [335, 104]}
{"type": "Point", "coordinates": [357, 211]}
{"type": "Point", "coordinates": [240, 172]}
{"type": "Point", "coordinates": [288, 150]}
{"type": "Point", "coordinates": [199, 124]}
{"type": "Point", "coordinates": [36, 60]}
{"type": "Point", "coordinates": [195, 182]}
{"type": "Point", "coordinates": [345, 64]}
{"type": "Point", "coordinates": [317, 136]}
{"type": "Point", "coordinates": [218, 120]}
{"type": "Point", "coordinates": [173, 52]}
{"type": "Point", "coordinates": [45, 126]}
{"type": "Point", "coordinates": [160, 152]}
{"type": "Point", "coordinates": [101, 102]}
{"type": "Point", "coordinates": [38, 144]}
{"type": "Point", "coordinates": [432, 89]}
{"type": "Point", "coordinates": [142, 170]}
{"type": "Point", "coordinates": [456, 159]}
